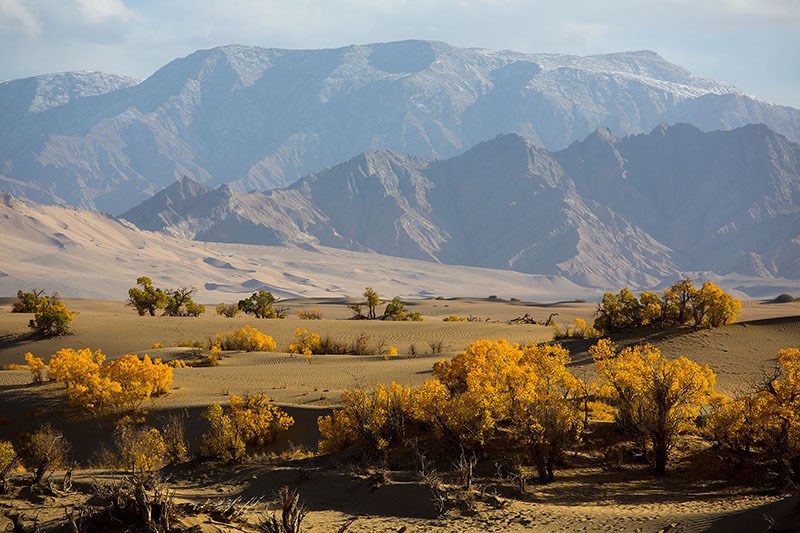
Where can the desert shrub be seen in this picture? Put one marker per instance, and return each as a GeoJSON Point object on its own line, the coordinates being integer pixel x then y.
{"type": "Point", "coordinates": [391, 352]}
{"type": "Point", "coordinates": [329, 345]}
{"type": "Point", "coordinates": [141, 448]}
{"type": "Point", "coordinates": [227, 310]}
{"type": "Point", "coordinates": [195, 309]}
{"type": "Point", "coordinates": [454, 318]}
{"type": "Point", "coordinates": [395, 309]}
{"type": "Point", "coordinates": [8, 460]}
{"type": "Point", "coordinates": [247, 339]}
{"type": "Point", "coordinates": [249, 421]}
{"type": "Point", "coordinates": [137, 502]}
{"type": "Point", "coordinates": [36, 366]}
{"type": "Point", "coordinates": [360, 345]}
{"type": "Point", "coordinates": [156, 346]}
{"type": "Point", "coordinates": [29, 302]}
{"type": "Point", "coordinates": [52, 318]}
{"type": "Point", "coordinates": [656, 398]}
{"type": "Point", "coordinates": [292, 515]}
{"type": "Point", "coordinates": [357, 310]}
{"type": "Point", "coordinates": [375, 419]}
{"type": "Point", "coordinates": [259, 304]}
{"type": "Point", "coordinates": [46, 450]}
{"type": "Point", "coordinates": [768, 418]}
{"type": "Point", "coordinates": [118, 386]}
{"type": "Point", "coordinates": [190, 344]}
{"type": "Point", "coordinates": [305, 343]}
{"type": "Point", "coordinates": [580, 330]}
{"type": "Point", "coordinates": [313, 314]}
{"type": "Point", "coordinates": [784, 299]}
{"type": "Point", "coordinates": [145, 298]}
{"type": "Point", "coordinates": [174, 432]}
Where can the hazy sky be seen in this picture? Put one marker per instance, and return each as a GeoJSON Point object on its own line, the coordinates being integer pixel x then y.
{"type": "Point", "coordinates": [754, 44]}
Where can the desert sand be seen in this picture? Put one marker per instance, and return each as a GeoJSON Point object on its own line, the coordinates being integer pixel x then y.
{"type": "Point", "coordinates": [699, 494]}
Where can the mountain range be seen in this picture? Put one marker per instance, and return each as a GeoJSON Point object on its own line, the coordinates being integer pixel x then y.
{"type": "Point", "coordinates": [603, 212]}
{"type": "Point", "coordinates": [258, 118]}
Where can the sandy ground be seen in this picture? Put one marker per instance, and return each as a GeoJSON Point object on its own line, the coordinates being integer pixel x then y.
{"type": "Point", "coordinates": [584, 498]}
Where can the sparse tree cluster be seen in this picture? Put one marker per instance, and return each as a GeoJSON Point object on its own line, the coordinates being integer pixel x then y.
{"type": "Point", "coordinates": [680, 304]}
{"type": "Point", "coordinates": [493, 396]}
{"type": "Point", "coordinates": [147, 299]}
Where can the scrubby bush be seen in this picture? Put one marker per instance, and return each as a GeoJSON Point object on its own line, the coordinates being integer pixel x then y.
{"type": "Point", "coordinates": [174, 433]}
{"type": "Point", "coordinates": [36, 366]}
{"type": "Point", "coordinates": [29, 302]}
{"type": "Point", "coordinates": [305, 343]}
{"type": "Point", "coordinates": [259, 304]}
{"type": "Point", "coordinates": [580, 330]}
{"type": "Point", "coordinates": [313, 314]}
{"type": "Point", "coordinates": [454, 318]}
{"type": "Point", "coordinates": [46, 450]}
{"type": "Point", "coordinates": [656, 398]}
{"type": "Point", "coordinates": [251, 421]}
{"type": "Point", "coordinates": [8, 460]}
{"type": "Point", "coordinates": [52, 317]}
{"type": "Point", "coordinates": [247, 339]}
{"type": "Point", "coordinates": [141, 448]}
{"type": "Point", "coordinates": [227, 310]}
{"type": "Point", "coordinates": [145, 298]}
{"type": "Point", "coordinates": [118, 386]}
{"type": "Point", "coordinates": [395, 310]}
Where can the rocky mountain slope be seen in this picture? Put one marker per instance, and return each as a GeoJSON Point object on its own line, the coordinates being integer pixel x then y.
{"type": "Point", "coordinates": [603, 212]}
{"type": "Point", "coordinates": [258, 118]}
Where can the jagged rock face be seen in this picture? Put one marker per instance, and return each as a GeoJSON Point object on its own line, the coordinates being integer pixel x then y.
{"type": "Point", "coordinates": [260, 118]}
{"type": "Point", "coordinates": [603, 212]}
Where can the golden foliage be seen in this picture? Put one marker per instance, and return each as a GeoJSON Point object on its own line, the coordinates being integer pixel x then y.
{"type": "Point", "coordinates": [141, 448]}
{"type": "Point", "coordinates": [36, 366]}
{"type": "Point", "coordinates": [250, 421]}
{"type": "Point", "coordinates": [524, 393]}
{"type": "Point", "coordinates": [247, 339]}
{"type": "Point", "coordinates": [656, 398]}
{"type": "Point", "coordinates": [454, 318]}
{"type": "Point", "coordinates": [119, 385]}
{"type": "Point", "coordinates": [305, 343]}
{"type": "Point", "coordinates": [767, 418]}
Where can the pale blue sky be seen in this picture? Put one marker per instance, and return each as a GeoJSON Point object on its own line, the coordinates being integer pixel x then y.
{"type": "Point", "coordinates": [754, 44]}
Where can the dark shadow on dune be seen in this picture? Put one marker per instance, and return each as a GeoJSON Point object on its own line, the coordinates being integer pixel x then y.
{"type": "Point", "coordinates": [12, 340]}
{"type": "Point", "coordinates": [780, 516]}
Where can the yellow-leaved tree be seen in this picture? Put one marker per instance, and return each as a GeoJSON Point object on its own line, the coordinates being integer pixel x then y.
{"type": "Point", "coordinates": [249, 421]}
{"type": "Point", "coordinates": [768, 418]}
{"type": "Point", "coordinates": [655, 398]}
